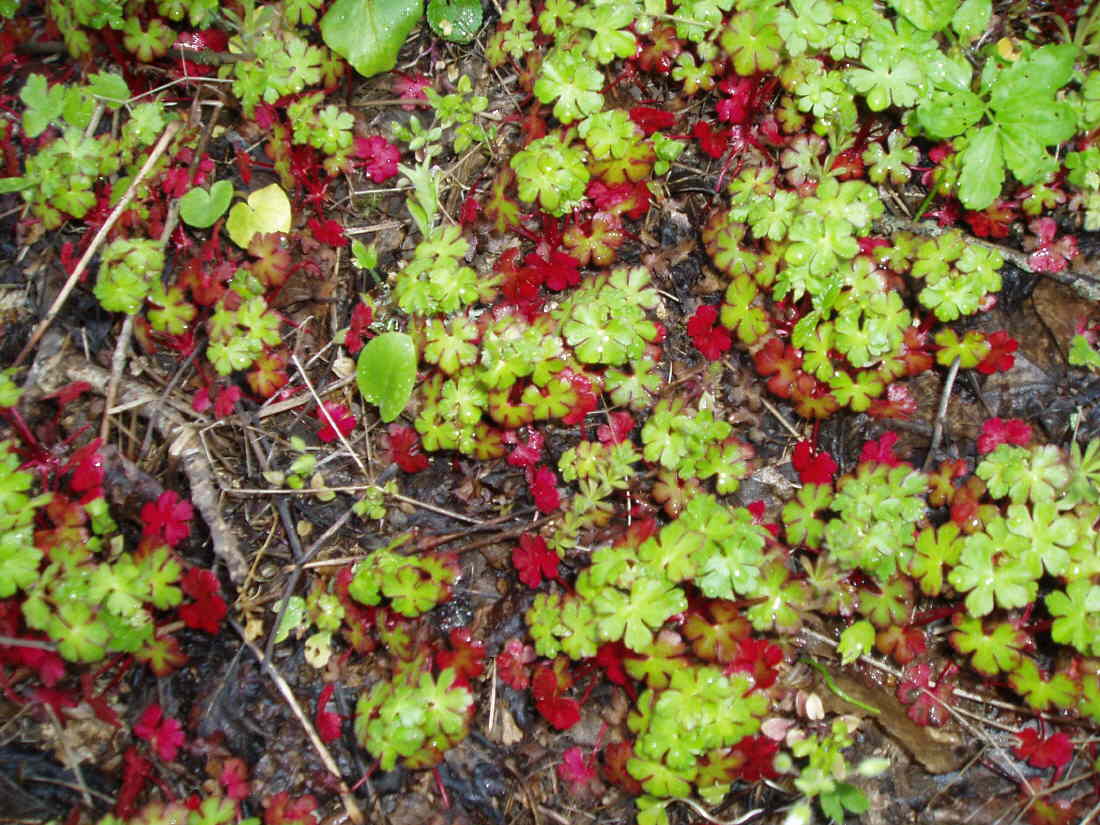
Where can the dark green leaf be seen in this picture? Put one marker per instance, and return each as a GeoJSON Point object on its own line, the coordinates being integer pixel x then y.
{"type": "Point", "coordinates": [455, 20]}
{"type": "Point", "coordinates": [369, 33]}
{"type": "Point", "coordinates": [982, 169]}
{"type": "Point", "coordinates": [1037, 76]}
{"type": "Point", "coordinates": [1057, 124]}
{"type": "Point", "coordinates": [947, 114]}
{"type": "Point", "coordinates": [386, 373]}
{"type": "Point", "coordinates": [929, 15]}
{"type": "Point", "coordinates": [109, 88]}
{"type": "Point", "coordinates": [1024, 155]}
{"type": "Point", "coordinates": [972, 18]}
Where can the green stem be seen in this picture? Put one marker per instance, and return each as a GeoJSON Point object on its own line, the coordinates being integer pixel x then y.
{"type": "Point", "coordinates": [832, 685]}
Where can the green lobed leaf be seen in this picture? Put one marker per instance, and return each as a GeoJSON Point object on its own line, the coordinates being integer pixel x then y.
{"type": "Point", "coordinates": [929, 15]}
{"type": "Point", "coordinates": [972, 18]}
{"type": "Point", "coordinates": [369, 33]}
{"type": "Point", "coordinates": [386, 373]}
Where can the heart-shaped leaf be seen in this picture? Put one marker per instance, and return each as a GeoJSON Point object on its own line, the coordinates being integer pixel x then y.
{"type": "Point", "coordinates": [369, 33]}
{"type": "Point", "coordinates": [267, 210]}
{"type": "Point", "coordinates": [386, 373]}
{"type": "Point", "coordinates": [201, 207]}
{"type": "Point", "coordinates": [455, 20]}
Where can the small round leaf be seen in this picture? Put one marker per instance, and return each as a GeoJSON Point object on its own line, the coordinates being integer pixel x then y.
{"type": "Point", "coordinates": [201, 208]}
{"type": "Point", "coordinates": [386, 373]}
{"type": "Point", "coordinates": [455, 20]}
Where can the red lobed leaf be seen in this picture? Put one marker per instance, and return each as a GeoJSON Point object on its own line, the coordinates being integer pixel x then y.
{"type": "Point", "coordinates": [527, 454]}
{"type": "Point", "coordinates": [327, 722]}
{"type": "Point", "coordinates": [899, 403]}
{"type": "Point", "coordinates": [542, 483]}
{"type": "Point", "coordinates": [813, 467]}
{"type": "Point", "coordinates": [997, 431]}
{"type": "Point", "coordinates": [234, 778]}
{"type": "Point", "coordinates": [709, 337]}
{"type": "Point", "coordinates": [329, 232]}
{"type": "Point", "coordinates": [167, 518]}
{"type": "Point", "coordinates": [340, 415]}
{"type": "Point", "coordinates": [404, 446]}
{"type": "Point", "coordinates": [533, 560]}
{"type": "Point", "coordinates": [617, 429]}
{"type": "Point", "coordinates": [1054, 751]}
{"type": "Point", "coordinates": [513, 664]}
{"type": "Point", "coordinates": [226, 402]}
{"type": "Point", "coordinates": [358, 327]}
{"type": "Point", "coordinates": [466, 656]}
{"type": "Point", "coordinates": [881, 450]}
{"type": "Point", "coordinates": [651, 120]}
{"type": "Point", "coordinates": [711, 142]}
{"type": "Point", "coordinates": [1000, 357]}
{"type": "Point", "coordinates": [282, 810]}
{"type": "Point", "coordinates": [379, 157]}
{"type": "Point", "coordinates": [577, 770]}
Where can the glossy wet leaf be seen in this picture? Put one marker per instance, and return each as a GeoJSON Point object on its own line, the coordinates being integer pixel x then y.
{"type": "Point", "coordinates": [455, 20]}
{"type": "Point", "coordinates": [386, 373]}
{"type": "Point", "coordinates": [267, 210]}
{"type": "Point", "coordinates": [369, 33]}
{"type": "Point", "coordinates": [201, 207]}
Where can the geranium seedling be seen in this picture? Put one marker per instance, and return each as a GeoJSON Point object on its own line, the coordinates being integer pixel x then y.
{"type": "Point", "coordinates": [167, 519]}
{"type": "Point", "coordinates": [162, 732]}
{"type": "Point", "coordinates": [533, 560]}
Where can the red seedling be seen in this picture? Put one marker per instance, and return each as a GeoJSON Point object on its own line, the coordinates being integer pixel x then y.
{"type": "Point", "coordinates": [542, 483]}
{"type": "Point", "coordinates": [997, 431]}
{"type": "Point", "coordinates": [710, 338]}
{"type": "Point", "coordinates": [1000, 357]}
{"type": "Point", "coordinates": [759, 755]}
{"type": "Point", "coordinates": [466, 655]}
{"type": "Point", "coordinates": [513, 664]}
{"type": "Point", "coordinates": [327, 722]}
{"type": "Point", "coordinates": [1052, 752]}
{"type": "Point", "coordinates": [167, 519]}
{"type": "Point", "coordinates": [813, 466]}
{"type": "Point", "coordinates": [282, 810]}
{"type": "Point", "coordinates": [927, 700]}
{"type": "Point", "coordinates": [651, 120]}
{"type": "Point", "coordinates": [617, 428]}
{"type": "Point", "coordinates": [711, 142]}
{"type": "Point", "coordinates": [358, 328]}
{"type": "Point", "coordinates": [379, 157]}
{"type": "Point", "coordinates": [226, 402]}
{"type": "Point", "coordinates": [136, 771]}
{"type": "Point", "coordinates": [208, 609]}
{"type": "Point", "coordinates": [899, 403]}
{"type": "Point", "coordinates": [578, 771]}
{"type": "Point", "coordinates": [881, 450]}
{"type": "Point", "coordinates": [327, 232]}
{"type": "Point", "coordinates": [162, 732]}
{"type": "Point", "coordinates": [403, 443]}
{"type": "Point", "coordinates": [527, 454]}
{"type": "Point", "coordinates": [337, 421]}
{"type": "Point", "coordinates": [1050, 254]}
{"type": "Point", "coordinates": [234, 776]}
{"type": "Point", "coordinates": [547, 686]}
{"type": "Point", "coordinates": [533, 560]}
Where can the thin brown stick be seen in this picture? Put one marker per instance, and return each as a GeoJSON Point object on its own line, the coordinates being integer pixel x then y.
{"type": "Point", "coordinates": [941, 414]}
{"type": "Point", "coordinates": [100, 236]}
{"type": "Point", "coordinates": [350, 805]}
{"type": "Point", "coordinates": [70, 758]}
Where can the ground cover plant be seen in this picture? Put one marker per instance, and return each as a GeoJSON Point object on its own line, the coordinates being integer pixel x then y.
{"type": "Point", "coordinates": [663, 411]}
